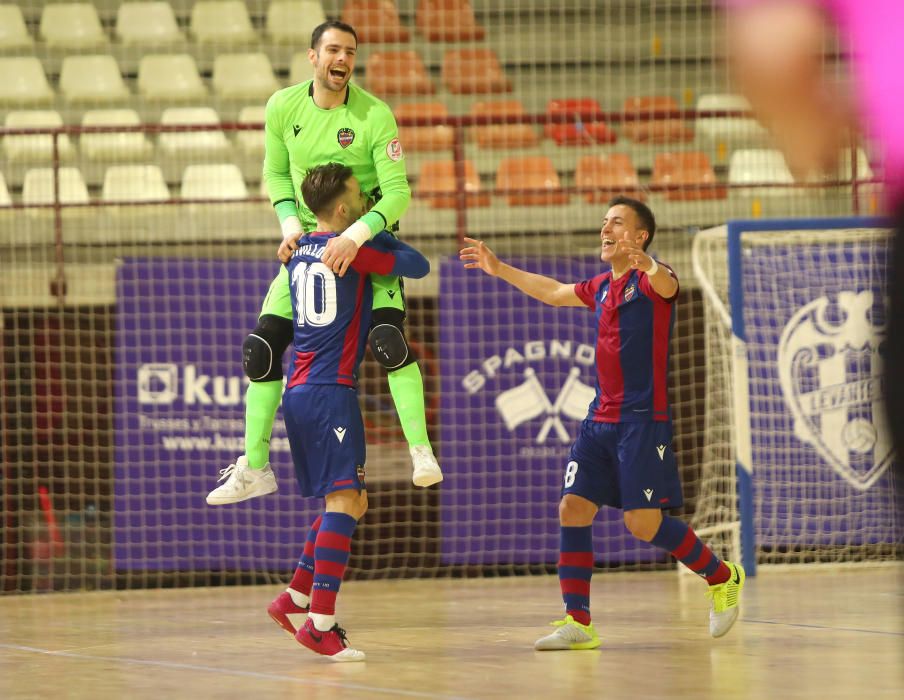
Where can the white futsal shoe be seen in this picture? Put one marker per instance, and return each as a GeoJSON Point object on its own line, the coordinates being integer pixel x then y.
{"type": "Point", "coordinates": [426, 468]}
{"type": "Point", "coordinates": [242, 483]}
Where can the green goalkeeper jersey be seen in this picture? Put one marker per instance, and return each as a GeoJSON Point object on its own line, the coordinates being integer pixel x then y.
{"type": "Point", "coordinates": [362, 134]}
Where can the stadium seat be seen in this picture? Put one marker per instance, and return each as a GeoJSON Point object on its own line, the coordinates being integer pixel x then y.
{"type": "Point", "coordinates": [447, 20]}
{"type": "Point", "coordinates": [220, 181]}
{"type": "Point", "coordinates": [147, 23]}
{"type": "Point", "coordinates": [530, 173]}
{"type": "Point", "coordinates": [578, 131]}
{"type": "Point", "coordinates": [114, 146]}
{"type": "Point", "coordinates": [727, 133]}
{"type": "Point", "coordinates": [375, 21]}
{"type": "Point", "coordinates": [5, 199]}
{"type": "Point", "coordinates": [221, 22]}
{"type": "Point", "coordinates": [139, 183]}
{"type": "Point", "coordinates": [439, 176]}
{"type": "Point", "coordinates": [287, 20]}
{"type": "Point", "coordinates": [38, 187]}
{"type": "Point", "coordinates": [72, 25]}
{"type": "Point", "coordinates": [750, 166]}
{"type": "Point", "coordinates": [171, 78]}
{"type": "Point", "coordinates": [92, 79]}
{"type": "Point", "coordinates": [23, 82]}
{"type": "Point", "coordinates": [686, 170]}
{"type": "Point", "coordinates": [638, 127]}
{"type": "Point", "coordinates": [502, 135]}
{"type": "Point", "coordinates": [610, 175]}
{"type": "Point", "coordinates": [424, 138]}
{"type": "Point", "coordinates": [397, 73]}
{"type": "Point", "coordinates": [13, 34]}
{"type": "Point", "coordinates": [473, 72]}
{"type": "Point", "coordinates": [251, 143]}
{"type": "Point", "coordinates": [192, 144]}
{"type": "Point", "coordinates": [38, 148]}
{"type": "Point", "coordinates": [300, 69]}
{"type": "Point", "coordinates": [244, 76]}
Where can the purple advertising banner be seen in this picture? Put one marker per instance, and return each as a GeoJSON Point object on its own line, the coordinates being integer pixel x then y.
{"type": "Point", "coordinates": [517, 379]}
{"type": "Point", "coordinates": [180, 419]}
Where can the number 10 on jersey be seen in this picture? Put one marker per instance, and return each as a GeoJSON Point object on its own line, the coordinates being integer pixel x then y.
{"type": "Point", "coordinates": [315, 294]}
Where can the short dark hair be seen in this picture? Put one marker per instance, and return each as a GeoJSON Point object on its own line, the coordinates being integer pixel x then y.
{"type": "Point", "coordinates": [644, 215]}
{"type": "Point", "coordinates": [323, 185]}
{"type": "Point", "coordinates": [331, 24]}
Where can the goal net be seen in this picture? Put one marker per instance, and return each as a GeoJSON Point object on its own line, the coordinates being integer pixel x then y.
{"type": "Point", "coordinates": [796, 314]}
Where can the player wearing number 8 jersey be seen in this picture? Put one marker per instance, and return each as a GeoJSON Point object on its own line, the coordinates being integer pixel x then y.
{"type": "Point", "coordinates": [331, 318]}
{"type": "Point", "coordinates": [329, 119]}
{"type": "Point", "coordinates": [623, 456]}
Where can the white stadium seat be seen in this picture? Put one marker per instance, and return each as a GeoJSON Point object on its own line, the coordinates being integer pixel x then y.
{"type": "Point", "coordinates": [220, 181]}
{"type": "Point", "coordinates": [38, 148]}
{"type": "Point", "coordinates": [192, 144]}
{"type": "Point", "coordinates": [222, 22]}
{"type": "Point", "coordinates": [140, 183]}
{"type": "Point", "coordinates": [300, 69]}
{"type": "Point", "coordinates": [72, 25]}
{"type": "Point", "coordinates": [251, 143]}
{"type": "Point", "coordinates": [23, 82]}
{"type": "Point", "coordinates": [13, 34]}
{"type": "Point", "coordinates": [92, 79]}
{"type": "Point", "coordinates": [287, 20]}
{"type": "Point", "coordinates": [38, 186]}
{"type": "Point", "coordinates": [147, 23]}
{"type": "Point", "coordinates": [5, 199]}
{"type": "Point", "coordinates": [170, 77]}
{"type": "Point", "coordinates": [114, 146]}
{"type": "Point", "coordinates": [244, 76]}
{"type": "Point", "coordinates": [759, 165]}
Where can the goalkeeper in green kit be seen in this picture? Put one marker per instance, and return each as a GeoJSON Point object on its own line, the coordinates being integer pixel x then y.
{"type": "Point", "coordinates": [325, 120]}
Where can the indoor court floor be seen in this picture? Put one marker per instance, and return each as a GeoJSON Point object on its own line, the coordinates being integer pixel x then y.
{"type": "Point", "coordinates": [804, 632]}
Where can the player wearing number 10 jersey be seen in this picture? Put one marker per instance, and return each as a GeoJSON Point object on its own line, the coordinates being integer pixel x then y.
{"type": "Point", "coordinates": [331, 320]}
{"type": "Point", "coordinates": [623, 456]}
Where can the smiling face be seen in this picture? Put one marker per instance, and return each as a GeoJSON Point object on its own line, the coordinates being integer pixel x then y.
{"type": "Point", "coordinates": [334, 59]}
{"type": "Point", "coordinates": [620, 225]}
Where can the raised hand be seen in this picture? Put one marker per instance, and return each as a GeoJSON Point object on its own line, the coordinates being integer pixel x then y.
{"type": "Point", "coordinates": [638, 259]}
{"type": "Point", "coordinates": [477, 254]}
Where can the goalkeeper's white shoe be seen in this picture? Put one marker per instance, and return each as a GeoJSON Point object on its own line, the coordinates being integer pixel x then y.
{"type": "Point", "coordinates": [426, 468]}
{"type": "Point", "coordinates": [242, 483]}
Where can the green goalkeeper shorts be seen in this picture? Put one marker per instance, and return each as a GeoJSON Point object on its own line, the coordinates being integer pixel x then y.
{"type": "Point", "coordinates": [388, 294]}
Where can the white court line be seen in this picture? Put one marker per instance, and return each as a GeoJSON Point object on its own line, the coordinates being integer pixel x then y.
{"type": "Point", "coordinates": [820, 627]}
{"type": "Point", "coordinates": [233, 672]}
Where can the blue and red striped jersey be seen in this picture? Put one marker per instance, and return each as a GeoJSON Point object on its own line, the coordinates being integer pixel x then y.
{"type": "Point", "coordinates": [331, 314]}
{"type": "Point", "coordinates": [634, 325]}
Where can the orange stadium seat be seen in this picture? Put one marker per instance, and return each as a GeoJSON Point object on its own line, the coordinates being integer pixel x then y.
{"type": "Point", "coordinates": [610, 174]}
{"type": "Point", "coordinates": [530, 173]}
{"type": "Point", "coordinates": [502, 135]}
{"type": "Point", "coordinates": [424, 138]}
{"type": "Point", "coordinates": [397, 73]}
{"type": "Point", "coordinates": [686, 169]}
{"type": "Point", "coordinates": [579, 131]}
{"type": "Point", "coordinates": [448, 20]}
{"type": "Point", "coordinates": [640, 129]}
{"type": "Point", "coordinates": [375, 21]}
{"type": "Point", "coordinates": [473, 72]}
{"type": "Point", "coordinates": [439, 176]}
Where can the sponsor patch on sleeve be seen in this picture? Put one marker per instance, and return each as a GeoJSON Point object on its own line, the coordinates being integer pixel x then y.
{"type": "Point", "coordinates": [394, 150]}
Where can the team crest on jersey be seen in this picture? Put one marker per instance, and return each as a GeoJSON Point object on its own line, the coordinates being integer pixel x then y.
{"type": "Point", "coordinates": [630, 292]}
{"type": "Point", "coordinates": [345, 136]}
{"type": "Point", "coordinates": [830, 372]}
{"type": "Point", "coordinates": [394, 150]}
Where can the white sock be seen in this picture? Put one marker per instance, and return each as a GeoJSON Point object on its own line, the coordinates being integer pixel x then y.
{"type": "Point", "coordinates": [299, 598]}
{"type": "Point", "coordinates": [323, 623]}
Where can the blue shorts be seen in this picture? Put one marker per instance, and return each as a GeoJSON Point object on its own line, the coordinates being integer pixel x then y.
{"type": "Point", "coordinates": [624, 465]}
{"type": "Point", "coordinates": [326, 435]}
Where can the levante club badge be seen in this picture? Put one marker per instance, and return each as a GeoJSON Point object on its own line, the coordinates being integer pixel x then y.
{"type": "Point", "coordinates": [345, 136]}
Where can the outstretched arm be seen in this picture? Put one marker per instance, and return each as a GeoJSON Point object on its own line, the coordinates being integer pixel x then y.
{"type": "Point", "coordinates": [477, 255]}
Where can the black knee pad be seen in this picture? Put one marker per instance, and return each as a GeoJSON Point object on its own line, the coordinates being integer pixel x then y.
{"type": "Point", "coordinates": [388, 344]}
{"type": "Point", "coordinates": [263, 348]}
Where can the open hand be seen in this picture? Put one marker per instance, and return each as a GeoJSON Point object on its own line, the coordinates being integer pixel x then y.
{"type": "Point", "coordinates": [477, 254]}
{"type": "Point", "coordinates": [339, 254]}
